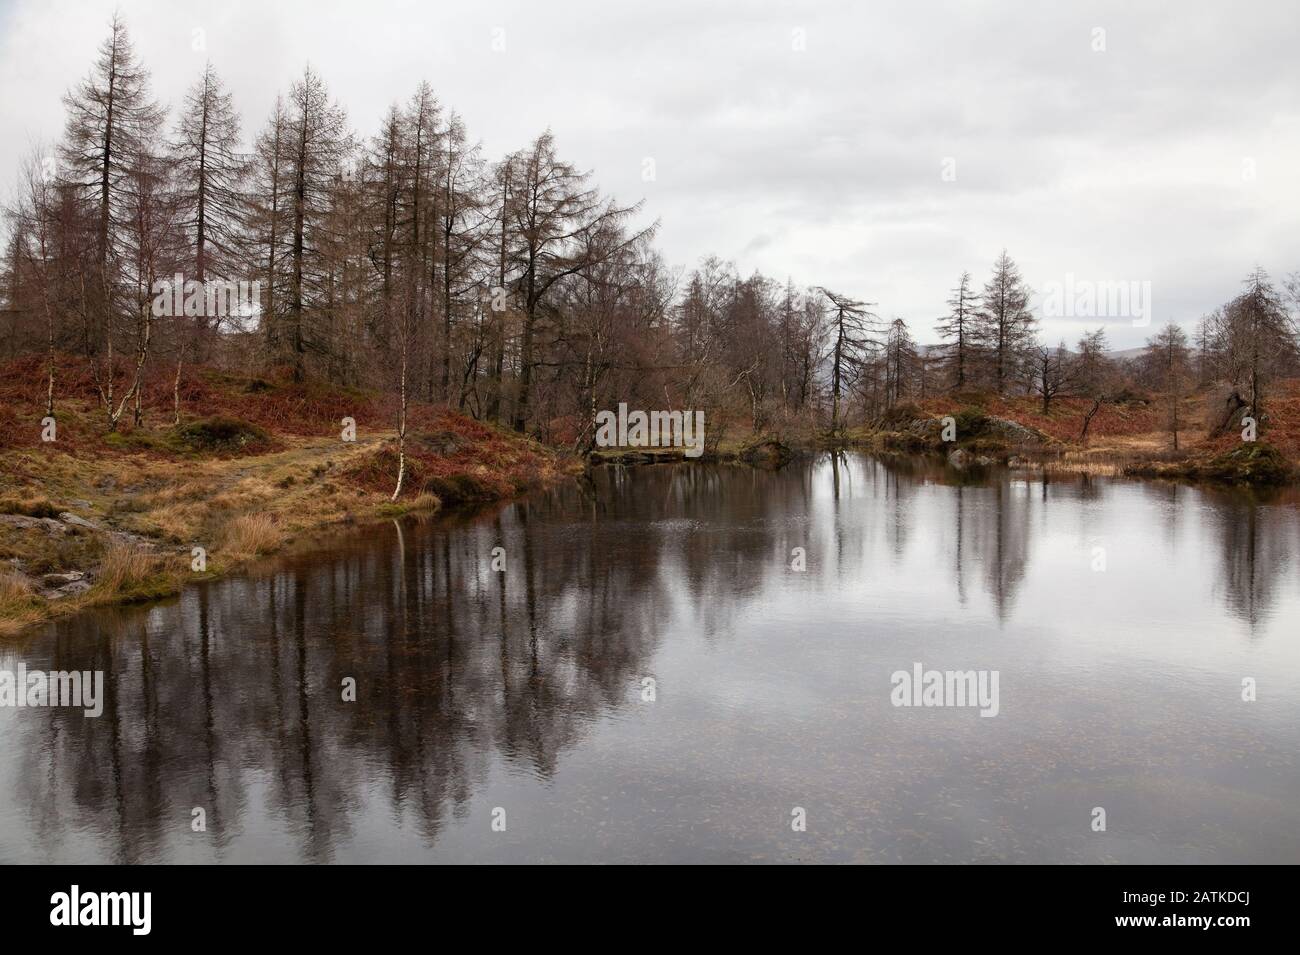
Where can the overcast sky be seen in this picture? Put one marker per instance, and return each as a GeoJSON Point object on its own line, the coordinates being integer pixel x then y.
{"type": "Point", "coordinates": [807, 140]}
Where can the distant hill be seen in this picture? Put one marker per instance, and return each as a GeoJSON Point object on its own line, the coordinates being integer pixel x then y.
{"type": "Point", "coordinates": [930, 351]}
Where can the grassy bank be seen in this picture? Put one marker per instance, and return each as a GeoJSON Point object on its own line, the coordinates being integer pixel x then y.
{"type": "Point", "coordinates": [1128, 435]}
{"type": "Point", "coordinates": [255, 466]}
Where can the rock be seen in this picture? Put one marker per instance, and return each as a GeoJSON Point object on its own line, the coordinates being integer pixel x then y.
{"type": "Point", "coordinates": [67, 590]}
{"type": "Point", "coordinates": [960, 458]}
{"type": "Point", "coordinates": [69, 518]}
{"type": "Point", "coordinates": [445, 443]}
{"type": "Point", "coordinates": [924, 427]}
{"type": "Point", "coordinates": [59, 586]}
{"type": "Point", "coordinates": [60, 580]}
{"type": "Point", "coordinates": [47, 524]}
{"type": "Point", "coordinates": [1012, 431]}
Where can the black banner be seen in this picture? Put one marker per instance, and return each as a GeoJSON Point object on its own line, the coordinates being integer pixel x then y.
{"type": "Point", "coordinates": [207, 904]}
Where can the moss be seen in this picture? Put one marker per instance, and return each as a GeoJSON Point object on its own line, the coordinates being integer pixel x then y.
{"type": "Point", "coordinates": [1252, 463]}
{"type": "Point", "coordinates": [1256, 464]}
{"type": "Point", "coordinates": [140, 439]}
{"type": "Point", "coordinates": [990, 447]}
{"type": "Point", "coordinates": [218, 434]}
{"type": "Point", "coordinates": [422, 503]}
{"type": "Point", "coordinates": [766, 452]}
{"type": "Point", "coordinates": [456, 489]}
{"type": "Point", "coordinates": [971, 423]}
{"type": "Point", "coordinates": [900, 416]}
{"type": "Point", "coordinates": [904, 441]}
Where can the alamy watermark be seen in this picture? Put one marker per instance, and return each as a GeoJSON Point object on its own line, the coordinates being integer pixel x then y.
{"type": "Point", "coordinates": [922, 687]}
{"type": "Point", "coordinates": [130, 909]}
{"type": "Point", "coordinates": [1085, 298]}
{"type": "Point", "coordinates": [654, 429]}
{"type": "Point", "coordinates": [214, 298]}
{"type": "Point", "coordinates": [35, 688]}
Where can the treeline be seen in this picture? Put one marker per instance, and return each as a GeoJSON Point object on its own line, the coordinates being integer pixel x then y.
{"type": "Point", "coordinates": [511, 289]}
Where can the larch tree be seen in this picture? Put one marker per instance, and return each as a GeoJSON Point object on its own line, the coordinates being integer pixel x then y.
{"type": "Point", "coordinates": [112, 130]}
{"type": "Point", "coordinates": [1006, 325]}
{"type": "Point", "coordinates": [556, 217]}
{"type": "Point", "coordinates": [959, 330]}
{"type": "Point", "coordinates": [900, 361]}
{"type": "Point", "coordinates": [210, 187]}
{"type": "Point", "coordinates": [1262, 338]}
{"type": "Point", "coordinates": [1093, 374]}
{"type": "Point", "coordinates": [32, 262]}
{"type": "Point", "coordinates": [464, 228]}
{"type": "Point", "coordinates": [318, 146]}
{"type": "Point", "coordinates": [1168, 358]}
{"type": "Point", "coordinates": [267, 219]}
{"type": "Point", "coordinates": [852, 344]}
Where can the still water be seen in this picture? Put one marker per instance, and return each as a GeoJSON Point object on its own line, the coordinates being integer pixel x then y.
{"type": "Point", "coordinates": [1121, 618]}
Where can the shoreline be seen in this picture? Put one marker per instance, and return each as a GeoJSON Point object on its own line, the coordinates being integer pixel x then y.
{"type": "Point", "coordinates": [132, 515]}
{"type": "Point", "coordinates": [164, 582]}
{"type": "Point", "coordinates": [1187, 468]}
{"type": "Point", "coordinates": [168, 577]}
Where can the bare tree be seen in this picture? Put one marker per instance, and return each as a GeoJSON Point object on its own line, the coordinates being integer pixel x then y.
{"type": "Point", "coordinates": [268, 222]}
{"type": "Point", "coordinates": [1053, 372]}
{"type": "Point", "coordinates": [1093, 375]}
{"type": "Point", "coordinates": [209, 178]}
{"type": "Point", "coordinates": [853, 326]}
{"type": "Point", "coordinates": [110, 134]}
{"type": "Point", "coordinates": [32, 257]}
{"type": "Point", "coordinates": [1261, 339]}
{"type": "Point", "coordinates": [1006, 326]}
{"type": "Point", "coordinates": [558, 222]}
{"type": "Point", "coordinates": [901, 362]}
{"type": "Point", "coordinates": [1167, 357]}
{"type": "Point", "coordinates": [317, 148]}
{"type": "Point", "coordinates": [960, 330]}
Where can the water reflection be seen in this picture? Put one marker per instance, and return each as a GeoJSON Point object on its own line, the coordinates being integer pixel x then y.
{"type": "Point", "coordinates": [524, 688]}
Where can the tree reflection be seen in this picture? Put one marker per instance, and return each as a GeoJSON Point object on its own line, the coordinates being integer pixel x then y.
{"type": "Point", "coordinates": [230, 697]}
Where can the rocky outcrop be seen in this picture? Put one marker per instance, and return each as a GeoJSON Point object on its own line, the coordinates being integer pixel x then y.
{"type": "Point", "coordinates": [768, 453]}
{"type": "Point", "coordinates": [58, 586]}
{"type": "Point", "coordinates": [1012, 432]}
{"type": "Point", "coordinates": [960, 458]}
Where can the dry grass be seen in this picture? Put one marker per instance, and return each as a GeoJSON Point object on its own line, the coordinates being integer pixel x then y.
{"type": "Point", "coordinates": [126, 568]}
{"type": "Point", "coordinates": [18, 603]}
{"type": "Point", "coordinates": [149, 496]}
{"type": "Point", "coordinates": [38, 506]}
{"type": "Point", "coordinates": [252, 535]}
{"type": "Point", "coordinates": [425, 502]}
